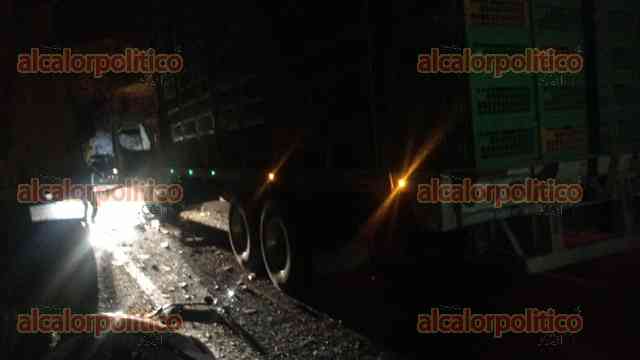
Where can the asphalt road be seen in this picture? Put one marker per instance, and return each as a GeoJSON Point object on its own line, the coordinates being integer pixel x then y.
{"type": "Point", "coordinates": [359, 315]}
{"type": "Point", "coordinates": [383, 304]}
{"type": "Point", "coordinates": [152, 266]}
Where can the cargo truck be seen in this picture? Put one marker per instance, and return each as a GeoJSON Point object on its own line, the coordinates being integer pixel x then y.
{"type": "Point", "coordinates": [314, 124]}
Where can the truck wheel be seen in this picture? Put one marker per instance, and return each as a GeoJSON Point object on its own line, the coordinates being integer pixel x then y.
{"type": "Point", "coordinates": [283, 260]}
{"type": "Point", "coordinates": [243, 238]}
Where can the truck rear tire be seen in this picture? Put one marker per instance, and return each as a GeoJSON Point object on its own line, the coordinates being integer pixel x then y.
{"type": "Point", "coordinates": [282, 254]}
{"type": "Point", "coordinates": [243, 238]}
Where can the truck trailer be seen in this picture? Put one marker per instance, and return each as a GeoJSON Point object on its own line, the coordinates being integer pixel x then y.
{"type": "Point", "coordinates": [321, 130]}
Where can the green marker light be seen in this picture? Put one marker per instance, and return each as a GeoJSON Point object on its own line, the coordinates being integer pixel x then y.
{"type": "Point", "coordinates": [190, 172]}
{"type": "Point", "coordinates": [171, 171]}
{"type": "Point", "coordinates": [212, 172]}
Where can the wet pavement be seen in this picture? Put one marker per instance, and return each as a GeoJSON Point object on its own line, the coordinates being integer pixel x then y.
{"type": "Point", "coordinates": [359, 315]}
{"type": "Point", "coordinates": [156, 265]}
{"type": "Point", "coordinates": [190, 261]}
